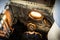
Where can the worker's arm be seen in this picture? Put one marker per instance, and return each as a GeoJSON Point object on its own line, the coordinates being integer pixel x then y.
{"type": "Point", "coordinates": [56, 12]}
{"type": "Point", "coordinates": [54, 32]}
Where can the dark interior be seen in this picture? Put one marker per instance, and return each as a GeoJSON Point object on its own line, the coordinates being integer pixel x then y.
{"type": "Point", "coordinates": [19, 29]}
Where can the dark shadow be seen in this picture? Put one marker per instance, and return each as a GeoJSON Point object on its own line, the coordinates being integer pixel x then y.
{"type": "Point", "coordinates": [20, 28]}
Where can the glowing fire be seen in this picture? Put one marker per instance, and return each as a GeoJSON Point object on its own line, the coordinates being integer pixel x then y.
{"type": "Point", "coordinates": [35, 14]}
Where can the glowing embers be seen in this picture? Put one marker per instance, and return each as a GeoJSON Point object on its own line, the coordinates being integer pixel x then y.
{"type": "Point", "coordinates": [35, 15]}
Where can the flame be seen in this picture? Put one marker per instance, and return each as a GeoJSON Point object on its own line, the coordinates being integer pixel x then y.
{"type": "Point", "coordinates": [35, 14]}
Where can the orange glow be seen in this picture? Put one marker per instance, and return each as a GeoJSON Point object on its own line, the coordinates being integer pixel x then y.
{"type": "Point", "coordinates": [8, 17]}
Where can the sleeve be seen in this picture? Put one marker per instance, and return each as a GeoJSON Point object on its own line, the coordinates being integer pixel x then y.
{"type": "Point", "coordinates": [56, 12]}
